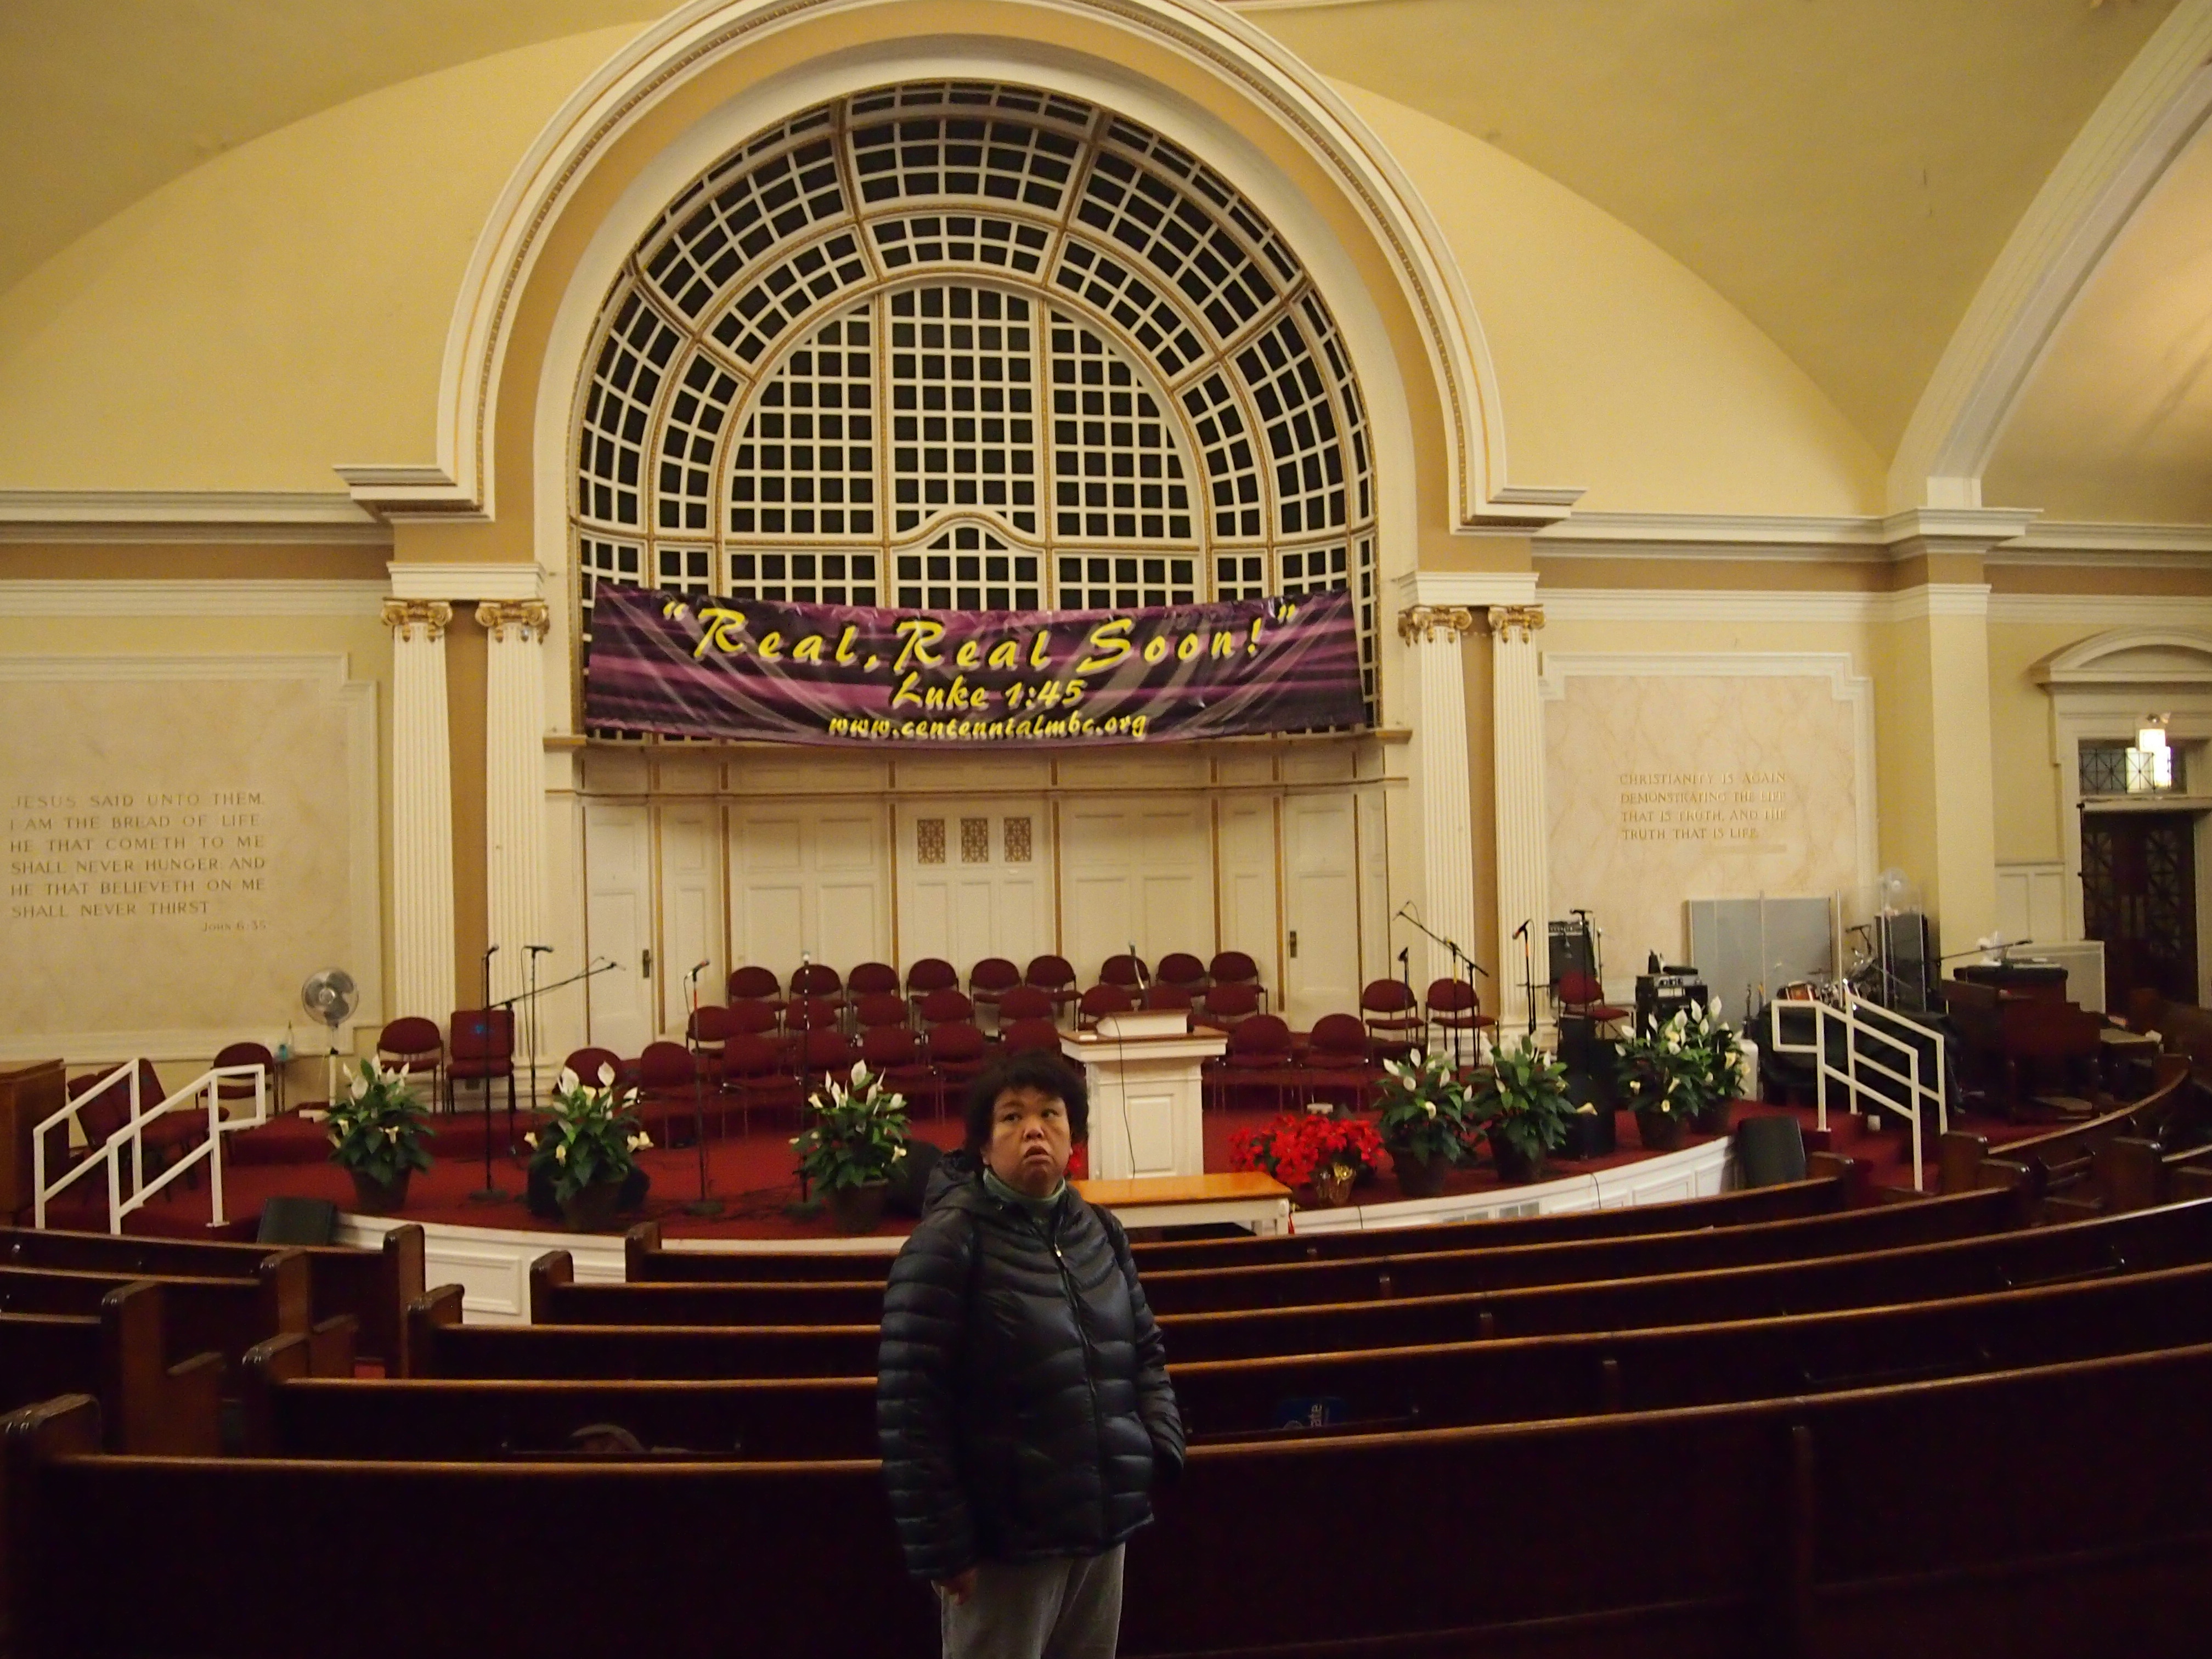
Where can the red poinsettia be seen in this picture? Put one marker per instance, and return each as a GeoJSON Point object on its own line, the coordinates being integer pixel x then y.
{"type": "Point", "coordinates": [1294, 1146]}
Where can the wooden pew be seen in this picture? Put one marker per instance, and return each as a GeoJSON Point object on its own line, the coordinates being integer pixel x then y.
{"type": "Point", "coordinates": [2004, 1033]}
{"type": "Point", "coordinates": [648, 1262]}
{"type": "Point", "coordinates": [2049, 1162]}
{"type": "Point", "coordinates": [2131, 1172]}
{"type": "Point", "coordinates": [225, 1315]}
{"type": "Point", "coordinates": [375, 1286]}
{"type": "Point", "coordinates": [2177, 1235]}
{"type": "Point", "coordinates": [1866, 1522]}
{"type": "Point", "coordinates": [121, 1355]}
{"type": "Point", "coordinates": [291, 1414]}
{"type": "Point", "coordinates": [556, 1300]}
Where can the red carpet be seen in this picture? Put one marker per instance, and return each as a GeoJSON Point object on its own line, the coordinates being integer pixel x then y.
{"type": "Point", "coordinates": [751, 1176]}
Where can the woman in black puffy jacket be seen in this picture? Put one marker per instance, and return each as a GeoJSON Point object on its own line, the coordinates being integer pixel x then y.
{"type": "Point", "coordinates": [1023, 1401]}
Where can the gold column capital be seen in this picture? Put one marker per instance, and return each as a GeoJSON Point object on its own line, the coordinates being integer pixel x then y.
{"type": "Point", "coordinates": [1428, 622]}
{"type": "Point", "coordinates": [528, 616]}
{"type": "Point", "coordinates": [1515, 622]}
{"type": "Point", "coordinates": [403, 616]}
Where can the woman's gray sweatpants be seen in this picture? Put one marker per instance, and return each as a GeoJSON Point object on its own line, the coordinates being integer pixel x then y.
{"type": "Point", "coordinates": [1069, 1608]}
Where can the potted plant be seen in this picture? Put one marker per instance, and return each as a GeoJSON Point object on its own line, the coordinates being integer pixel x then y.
{"type": "Point", "coordinates": [376, 1136]}
{"type": "Point", "coordinates": [1426, 1119]}
{"type": "Point", "coordinates": [852, 1144]}
{"type": "Point", "coordinates": [1687, 1070]}
{"type": "Point", "coordinates": [1331, 1153]}
{"type": "Point", "coordinates": [586, 1148]}
{"type": "Point", "coordinates": [1522, 1106]}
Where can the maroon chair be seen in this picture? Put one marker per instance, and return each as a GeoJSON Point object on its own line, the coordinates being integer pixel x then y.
{"type": "Point", "coordinates": [894, 1054]}
{"type": "Point", "coordinates": [586, 1063]}
{"type": "Point", "coordinates": [1236, 968]}
{"type": "Point", "coordinates": [482, 1052]}
{"type": "Point", "coordinates": [826, 1053]}
{"type": "Point", "coordinates": [755, 984]}
{"type": "Point", "coordinates": [1055, 977]}
{"type": "Point", "coordinates": [753, 1019]}
{"type": "Point", "coordinates": [816, 979]}
{"type": "Point", "coordinates": [1339, 1056]}
{"type": "Point", "coordinates": [669, 1091]}
{"type": "Point", "coordinates": [1167, 996]}
{"type": "Point", "coordinates": [956, 1053]}
{"type": "Point", "coordinates": [802, 1014]}
{"type": "Point", "coordinates": [1259, 1053]}
{"type": "Point", "coordinates": [240, 1089]}
{"type": "Point", "coordinates": [756, 1076]}
{"type": "Point", "coordinates": [106, 1112]}
{"type": "Point", "coordinates": [871, 979]}
{"type": "Point", "coordinates": [1455, 1008]}
{"type": "Point", "coordinates": [930, 973]}
{"type": "Point", "coordinates": [989, 981]}
{"type": "Point", "coordinates": [1395, 1023]}
{"type": "Point", "coordinates": [1226, 1007]}
{"type": "Point", "coordinates": [413, 1043]}
{"type": "Point", "coordinates": [705, 1032]}
{"type": "Point", "coordinates": [1026, 1002]}
{"type": "Point", "coordinates": [946, 1007]}
{"type": "Point", "coordinates": [1581, 996]}
{"type": "Point", "coordinates": [1182, 970]}
{"type": "Point", "coordinates": [879, 1008]}
{"type": "Point", "coordinates": [1127, 972]}
{"type": "Point", "coordinates": [1040, 1034]}
{"type": "Point", "coordinates": [1101, 1000]}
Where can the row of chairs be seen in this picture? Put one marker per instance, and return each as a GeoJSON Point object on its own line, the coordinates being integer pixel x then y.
{"type": "Point", "coordinates": [990, 981]}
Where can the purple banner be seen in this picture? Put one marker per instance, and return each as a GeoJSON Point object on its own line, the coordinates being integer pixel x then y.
{"type": "Point", "coordinates": [699, 667]}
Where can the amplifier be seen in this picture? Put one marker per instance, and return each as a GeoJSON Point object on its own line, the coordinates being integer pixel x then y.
{"type": "Point", "coordinates": [1660, 996]}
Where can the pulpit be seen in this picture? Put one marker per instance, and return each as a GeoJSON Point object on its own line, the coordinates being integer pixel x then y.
{"type": "Point", "coordinates": [1146, 1098]}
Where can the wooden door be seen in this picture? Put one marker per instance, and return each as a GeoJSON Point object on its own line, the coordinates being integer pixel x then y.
{"type": "Point", "coordinates": [1321, 886]}
{"type": "Point", "coordinates": [2139, 896]}
{"type": "Point", "coordinates": [619, 924]}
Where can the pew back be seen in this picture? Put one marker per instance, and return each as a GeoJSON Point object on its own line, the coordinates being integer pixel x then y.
{"type": "Point", "coordinates": [119, 1354]}
{"type": "Point", "coordinates": [227, 1315]}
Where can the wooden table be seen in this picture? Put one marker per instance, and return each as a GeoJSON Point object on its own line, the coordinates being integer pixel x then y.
{"type": "Point", "coordinates": [1249, 1198]}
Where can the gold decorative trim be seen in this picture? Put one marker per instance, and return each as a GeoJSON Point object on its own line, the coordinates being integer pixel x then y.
{"type": "Point", "coordinates": [403, 616]}
{"type": "Point", "coordinates": [1515, 622]}
{"type": "Point", "coordinates": [530, 617]}
{"type": "Point", "coordinates": [1427, 622]}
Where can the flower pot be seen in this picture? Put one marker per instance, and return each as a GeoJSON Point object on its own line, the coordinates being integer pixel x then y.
{"type": "Point", "coordinates": [374, 1197]}
{"type": "Point", "coordinates": [1333, 1188]}
{"type": "Point", "coordinates": [1417, 1177]}
{"type": "Point", "coordinates": [1712, 1118]}
{"type": "Point", "coordinates": [592, 1209]}
{"type": "Point", "coordinates": [856, 1210]}
{"type": "Point", "coordinates": [1661, 1131]}
{"type": "Point", "coordinates": [1514, 1167]}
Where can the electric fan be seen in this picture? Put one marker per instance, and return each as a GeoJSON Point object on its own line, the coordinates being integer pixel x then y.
{"type": "Point", "coordinates": [329, 996]}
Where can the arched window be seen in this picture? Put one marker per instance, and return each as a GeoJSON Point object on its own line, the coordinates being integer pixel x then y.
{"type": "Point", "coordinates": [970, 346]}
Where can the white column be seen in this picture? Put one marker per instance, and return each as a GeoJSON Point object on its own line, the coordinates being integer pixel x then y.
{"type": "Point", "coordinates": [514, 790]}
{"type": "Point", "coordinates": [421, 811]}
{"type": "Point", "coordinates": [1434, 636]}
{"type": "Point", "coordinates": [1517, 750]}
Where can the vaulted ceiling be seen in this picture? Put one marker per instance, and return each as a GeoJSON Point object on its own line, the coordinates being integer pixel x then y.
{"type": "Point", "coordinates": [1845, 171]}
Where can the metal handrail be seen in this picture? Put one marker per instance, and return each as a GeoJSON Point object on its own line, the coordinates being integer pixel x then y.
{"type": "Point", "coordinates": [131, 1135]}
{"type": "Point", "coordinates": [1846, 1010]}
{"type": "Point", "coordinates": [127, 1072]}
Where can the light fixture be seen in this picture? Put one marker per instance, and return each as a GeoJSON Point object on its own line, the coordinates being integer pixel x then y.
{"type": "Point", "coordinates": [2150, 736]}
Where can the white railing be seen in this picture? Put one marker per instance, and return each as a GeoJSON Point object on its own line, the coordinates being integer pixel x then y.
{"type": "Point", "coordinates": [1847, 1013]}
{"type": "Point", "coordinates": [130, 1138]}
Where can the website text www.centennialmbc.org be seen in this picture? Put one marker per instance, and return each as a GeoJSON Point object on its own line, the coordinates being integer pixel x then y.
{"type": "Point", "coordinates": [1028, 728]}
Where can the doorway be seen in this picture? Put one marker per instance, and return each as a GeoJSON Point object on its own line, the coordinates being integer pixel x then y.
{"type": "Point", "coordinates": [2139, 897]}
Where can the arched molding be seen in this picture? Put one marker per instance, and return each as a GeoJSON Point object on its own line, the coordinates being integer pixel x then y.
{"type": "Point", "coordinates": [2145, 121]}
{"type": "Point", "coordinates": [1250, 66]}
{"type": "Point", "coordinates": [2149, 657]}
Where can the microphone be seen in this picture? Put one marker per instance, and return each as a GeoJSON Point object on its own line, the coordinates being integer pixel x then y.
{"type": "Point", "coordinates": [490, 951]}
{"type": "Point", "coordinates": [1137, 963]}
{"type": "Point", "coordinates": [700, 969]}
{"type": "Point", "coordinates": [1403, 951]}
{"type": "Point", "coordinates": [536, 950]}
{"type": "Point", "coordinates": [1521, 932]}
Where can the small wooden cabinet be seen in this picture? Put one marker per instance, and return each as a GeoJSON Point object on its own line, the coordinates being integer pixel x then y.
{"type": "Point", "coordinates": [29, 1094]}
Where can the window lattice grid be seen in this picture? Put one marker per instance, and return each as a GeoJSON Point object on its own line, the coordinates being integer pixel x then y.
{"type": "Point", "coordinates": [787, 292]}
{"type": "Point", "coordinates": [1364, 561]}
{"type": "Point", "coordinates": [1315, 569]}
{"type": "Point", "coordinates": [1148, 313]}
{"type": "Point", "coordinates": [936, 238]}
{"type": "Point", "coordinates": [1231, 472]}
{"type": "Point", "coordinates": [698, 415]}
{"type": "Point", "coordinates": [814, 576]}
{"type": "Point", "coordinates": [805, 460]}
{"type": "Point", "coordinates": [962, 405]}
{"type": "Point", "coordinates": [627, 380]}
{"type": "Point", "coordinates": [1115, 581]}
{"type": "Point", "coordinates": [683, 569]}
{"type": "Point", "coordinates": [1117, 470]}
{"type": "Point", "coordinates": [747, 215]}
{"type": "Point", "coordinates": [966, 567]}
{"type": "Point", "coordinates": [995, 156]}
{"type": "Point", "coordinates": [1322, 328]}
{"type": "Point", "coordinates": [1300, 421]}
{"type": "Point", "coordinates": [1180, 236]}
{"type": "Point", "coordinates": [1173, 158]}
{"type": "Point", "coordinates": [597, 560]}
{"type": "Point", "coordinates": [1242, 574]}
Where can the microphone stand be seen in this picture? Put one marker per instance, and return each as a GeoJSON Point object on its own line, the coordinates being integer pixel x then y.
{"type": "Point", "coordinates": [489, 1194]}
{"type": "Point", "coordinates": [531, 1007]}
{"type": "Point", "coordinates": [702, 1205]}
{"type": "Point", "coordinates": [1459, 959]}
{"type": "Point", "coordinates": [1527, 976]}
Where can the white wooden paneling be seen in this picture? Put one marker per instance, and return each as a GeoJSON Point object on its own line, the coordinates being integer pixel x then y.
{"type": "Point", "coordinates": [1377, 948]}
{"type": "Point", "coordinates": [690, 907]}
{"type": "Point", "coordinates": [1139, 871]}
{"type": "Point", "coordinates": [1251, 921]}
{"type": "Point", "coordinates": [618, 923]}
{"type": "Point", "coordinates": [964, 908]}
{"type": "Point", "coordinates": [813, 880]}
{"type": "Point", "coordinates": [2032, 902]}
{"type": "Point", "coordinates": [1322, 888]}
